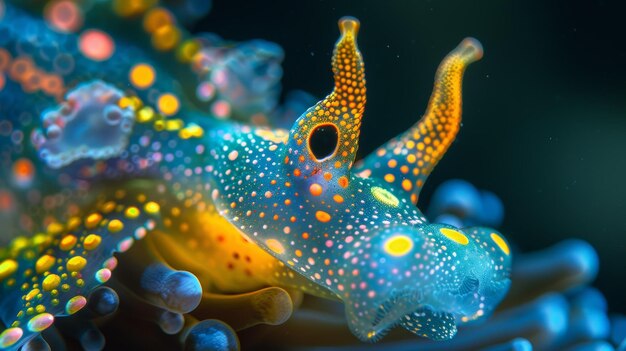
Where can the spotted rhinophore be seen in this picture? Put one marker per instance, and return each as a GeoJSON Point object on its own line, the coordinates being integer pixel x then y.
{"type": "Point", "coordinates": [186, 214]}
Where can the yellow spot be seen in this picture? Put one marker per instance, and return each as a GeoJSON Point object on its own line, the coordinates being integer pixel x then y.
{"type": "Point", "coordinates": [275, 246]}
{"type": "Point", "coordinates": [501, 243]}
{"type": "Point", "coordinates": [31, 294]}
{"type": "Point", "coordinates": [92, 241]}
{"type": "Point", "coordinates": [132, 212]}
{"type": "Point", "coordinates": [142, 76]}
{"type": "Point", "coordinates": [115, 226]}
{"type": "Point", "coordinates": [168, 104]}
{"type": "Point", "coordinates": [93, 220]}
{"type": "Point", "coordinates": [7, 267]}
{"type": "Point", "coordinates": [389, 178]}
{"type": "Point", "coordinates": [76, 263]}
{"type": "Point", "coordinates": [385, 196]}
{"type": "Point", "coordinates": [315, 189]}
{"type": "Point", "coordinates": [322, 216]}
{"type": "Point", "coordinates": [44, 263]}
{"type": "Point", "coordinates": [51, 282]}
{"type": "Point", "coordinates": [152, 207]}
{"type": "Point", "coordinates": [54, 228]}
{"type": "Point", "coordinates": [398, 245]}
{"type": "Point", "coordinates": [68, 242]}
{"type": "Point", "coordinates": [455, 236]}
{"type": "Point", "coordinates": [146, 114]}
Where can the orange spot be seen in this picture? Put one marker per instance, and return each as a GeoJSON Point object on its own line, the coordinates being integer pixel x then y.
{"type": "Point", "coordinates": [296, 172]}
{"type": "Point", "coordinates": [156, 18]}
{"type": "Point", "coordinates": [168, 104]}
{"type": "Point", "coordinates": [322, 216]}
{"type": "Point", "coordinates": [298, 253]}
{"type": "Point", "coordinates": [328, 176]}
{"type": "Point", "coordinates": [407, 185]}
{"type": "Point", "coordinates": [389, 178]}
{"type": "Point", "coordinates": [305, 236]}
{"type": "Point", "coordinates": [23, 171]}
{"type": "Point", "coordinates": [343, 181]}
{"type": "Point", "coordinates": [338, 198]}
{"type": "Point", "coordinates": [315, 189]}
{"type": "Point", "coordinates": [142, 76]}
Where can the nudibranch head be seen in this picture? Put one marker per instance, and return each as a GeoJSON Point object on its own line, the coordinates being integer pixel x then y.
{"type": "Point", "coordinates": [359, 238]}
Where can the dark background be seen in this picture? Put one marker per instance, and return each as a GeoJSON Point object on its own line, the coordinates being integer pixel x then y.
{"type": "Point", "coordinates": [544, 111]}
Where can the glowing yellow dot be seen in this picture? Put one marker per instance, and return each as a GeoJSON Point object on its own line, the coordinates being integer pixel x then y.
{"type": "Point", "coordinates": [398, 245]}
{"type": "Point", "coordinates": [132, 212]}
{"type": "Point", "coordinates": [7, 267]}
{"type": "Point", "coordinates": [54, 228]}
{"type": "Point", "coordinates": [322, 216]}
{"type": "Point", "coordinates": [275, 246]}
{"type": "Point", "coordinates": [92, 241]}
{"type": "Point", "coordinates": [455, 236]}
{"type": "Point", "coordinates": [501, 243]}
{"type": "Point", "coordinates": [44, 263]}
{"type": "Point", "coordinates": [389, 178]}
{"type": "Point", "coordinates": [115, 226]}
{"type": "Point", "coordinates": [51, 282]}
{"type": "Point", "coordinates": [93, 220]}
{"type": "Point", "coordinates": [385, 196]}
{"type": "Point", "coordinates": [152, 207]}
{"type": "Point", "coordinates": [142, 76]}
{"type": "Point", "coordinates": [168, 104]}
{"type": "Point", "coordinates": [31, 294]}
{"type": "Point", "coordinates": [68, 242]}
{"type": "Point", "coordinates": [76, 263]}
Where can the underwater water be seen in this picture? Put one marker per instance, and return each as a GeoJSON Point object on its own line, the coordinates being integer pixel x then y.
{"type": "Point", "coordinates": [127, 128]}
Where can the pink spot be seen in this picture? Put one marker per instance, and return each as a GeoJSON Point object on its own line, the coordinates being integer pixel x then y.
{"type": "Point", "coordinates": [221, 109]}
{"type": "Point", "coordinates": [96, 45]}
{"type": "Point", "coordinates": [329, 243]}
{"type": "Point", "coordinates": [371, 294]}
{"type": "Point", "coordinates": [349, 239]}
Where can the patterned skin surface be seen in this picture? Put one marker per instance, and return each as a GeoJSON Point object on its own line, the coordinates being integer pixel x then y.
{"type": "Point", "coordinates": [226, 207]}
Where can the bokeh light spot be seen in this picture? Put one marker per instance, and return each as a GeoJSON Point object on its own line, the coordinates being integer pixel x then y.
{"type": "Point", "coordinates": [142, 76]}
{"type": "Point", "coordinates": [64, 16]}
{"type": "Point", "coordinates": [168, 104]}
{"type": "Point", "coordinates": [96, 45]}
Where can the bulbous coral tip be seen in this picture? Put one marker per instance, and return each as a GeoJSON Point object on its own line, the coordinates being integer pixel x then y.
{"type": "Point", "coordinates": [349, 24]}
{"type": "Point", "coordinates": [471, 49]}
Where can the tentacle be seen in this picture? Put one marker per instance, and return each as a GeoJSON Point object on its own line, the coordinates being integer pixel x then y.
{"type": "Point", "coordinates": [271, 306]}
{"type": "Point", "coordinates": [324, 140]}
{"type": "Point", "coordinates": [407, 160]}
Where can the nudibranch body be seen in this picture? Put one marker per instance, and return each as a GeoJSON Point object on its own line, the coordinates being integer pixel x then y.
{"type": "Point", "coordinates": [362, 237]}
{"type": "Point", "coordinates": [217, 206]}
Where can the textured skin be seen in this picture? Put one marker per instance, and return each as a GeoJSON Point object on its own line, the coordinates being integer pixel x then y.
{"type": "Point", "coordinates": [220, 206]}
